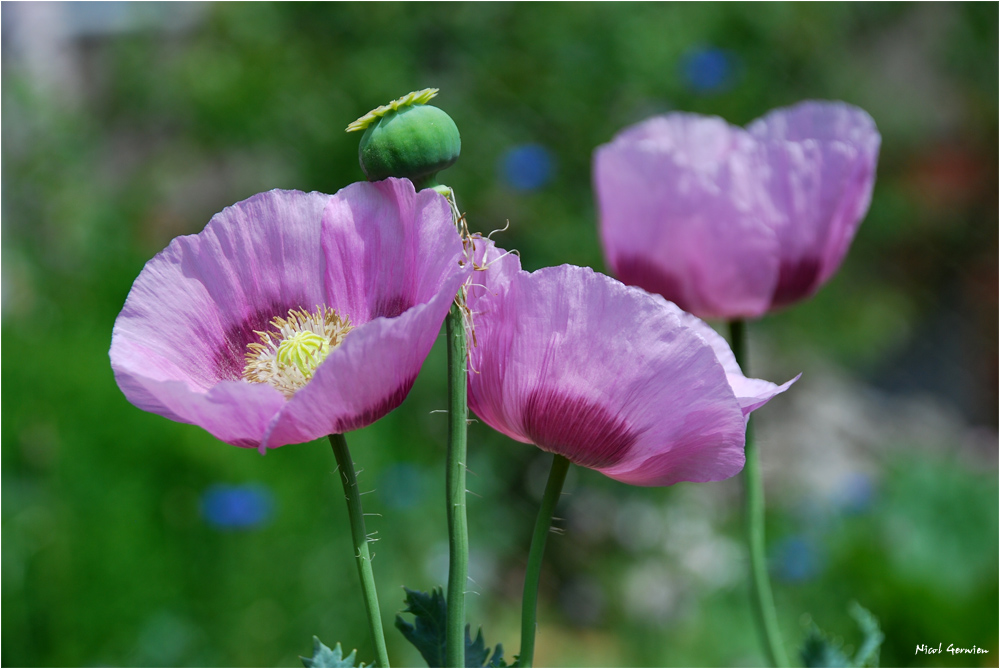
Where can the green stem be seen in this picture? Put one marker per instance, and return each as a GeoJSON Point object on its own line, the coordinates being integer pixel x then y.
{"type": "Point", "coordinates": [767, 618]}
{"type": "Point", "coordinates": [529, 602]}
{"type": "Point", "coordinates": [458, 526]}
{"type": "Point", "coordinates": [361, 552]}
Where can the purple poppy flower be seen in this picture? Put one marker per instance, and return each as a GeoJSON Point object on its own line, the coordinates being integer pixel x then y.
{"type": "Point", "coordinates": [730, 222]}
{"type": "Point", "coordinates": [291, 315]}
{"type": "Point", "coordinates": [610, 376]}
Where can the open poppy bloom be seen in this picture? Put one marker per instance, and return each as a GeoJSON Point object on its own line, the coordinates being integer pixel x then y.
{"type": "Point", "coordinates": [292, 315]}
{"type": "Point", "coordinates": [730, 222]}
{"type": "Point", "coordinates": [607, 375]}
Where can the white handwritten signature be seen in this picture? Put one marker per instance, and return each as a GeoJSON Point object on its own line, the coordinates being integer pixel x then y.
{"type": "Point", "coordinates": [952, 648]}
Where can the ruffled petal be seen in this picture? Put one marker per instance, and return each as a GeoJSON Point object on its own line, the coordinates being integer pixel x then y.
{"type": "Point", "coordinates": [584, 366]}
{"type": "Point", "coordinates": [194, 307]}
{"type": "Point", "coordinates": [235, 412]}
{"type": "Point", "coordinates": [388, 248]}
{"type": "Point", "coordinates": [820, 120]}
{"type": "Point", "coordinates": [730, 223]}
{"type": "Point", "coordinates": [394, 264]}
{"type": "Point", "coordinates": [751, 393]}
{"type": "Point", "coordinates": [372, 251]}
{"type": "Point", "coordinates": [820, 162]}
{"type": "Point", "coordinates": [681, 215]}
{"type": "Point", "coordinates": [494, 268]}
{"type": "Point", "coordinates": [367, 376]}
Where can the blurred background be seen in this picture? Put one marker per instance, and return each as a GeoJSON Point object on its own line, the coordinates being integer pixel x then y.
{"type": "Point", "coordinates": [132, 540]}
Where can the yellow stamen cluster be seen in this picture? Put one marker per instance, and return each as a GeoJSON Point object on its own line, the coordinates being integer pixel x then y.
{"type": "Point", "coordinates": [305, 350]}
{"type": "Point", "coordinates": [288, 358]}
{"type": "Point", "coordinates": [414, 98]}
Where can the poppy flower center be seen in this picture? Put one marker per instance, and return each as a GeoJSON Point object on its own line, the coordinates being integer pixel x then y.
{"type": "Point", "coordinates": [305, 350]}
{"type": "Point", "coordinates": [288, 357]}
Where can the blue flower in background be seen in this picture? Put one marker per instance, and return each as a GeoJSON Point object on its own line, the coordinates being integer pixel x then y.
{"type": "Point", "coordinates": [708, 69]}
{"type": "Point", "coordinates": [401, 485]}
{"type": "Point", "coordinates": [797, 559]}
{"type": "Point", "coordinates": [527, 167]}
{"type": "Point", "coordinates": [855, 493]}
{"type": "Point", "coordinates": [237, 507]}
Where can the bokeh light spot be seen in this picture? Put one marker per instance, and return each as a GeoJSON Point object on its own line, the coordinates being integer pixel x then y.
{"type": "Point", "coordinates": [527, 167]}
{"type": "Point", "coordinates": [708, 69]}
{"type": "Point", "coordinates": [796, 559]}
{"type": "Point", "coordinates": [401, 486]}
{"type": "Point", "coordinates": [237, 507]}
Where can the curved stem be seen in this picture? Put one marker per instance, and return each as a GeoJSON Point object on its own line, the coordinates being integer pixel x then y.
{"type": "Point", "coordinates": [767, 618]}
{"type": "Point", "coordinates": [529, 602]}
{"type": "Point", "coordinates": [361, 552]}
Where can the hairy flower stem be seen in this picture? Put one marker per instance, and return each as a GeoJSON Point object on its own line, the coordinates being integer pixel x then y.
{"type": "Point", "coordinates": [458, 524]}
{"type": "Point", "coordinates": [529, 601]}
{"type": "Point", "coordinates": [361, 552]}
{"type": "Point", "coordinates": [753, 485]}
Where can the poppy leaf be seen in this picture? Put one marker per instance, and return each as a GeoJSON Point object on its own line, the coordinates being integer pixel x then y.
{"type": "Point", "coordinates": [819, 650]}
{"type": "Point", "coordinates": [323, 656]}
{"type": "Point", "coordinates": [427, 632]}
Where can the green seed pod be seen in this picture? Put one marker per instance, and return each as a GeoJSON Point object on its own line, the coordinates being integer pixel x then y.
{"type": "Point", "coordinates": [408, 138]}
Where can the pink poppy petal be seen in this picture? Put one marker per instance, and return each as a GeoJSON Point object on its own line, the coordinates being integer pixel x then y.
{"type": "Point", "coordinates": [367, 376]}
{"type": "Point", "coordinates": [179, 345]}
{"type": "Point", "coordinates": [731, 223]}
{"type": "Point", "coordinates": [680, 214]}
{"type": "Point", "coordinates": [821, 159]}
{"type": "Point", "coordinates": [235, 412]}
{"type": "Point", "coordinates": [751, 393]}
{"type": "Point", "coordinates": [195, 305]}
{"type": "Point", "coordinates": [582, 365]}
{"type": "Point", "coordinates": [819, 120]}
{"type": "Point", "coordinates": [386, 248]}
{"type": "Point", "coordinates": [494, 268]}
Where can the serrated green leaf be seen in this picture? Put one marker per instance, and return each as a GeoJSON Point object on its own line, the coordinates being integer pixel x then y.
{"type": "Point", "coordinates": [323, 656]}
{"type": "Point", "coordinates": [477, 653]}
{"type": "Point", "coordinates": [430, 613]}
{"type": "Point", "coordinates": [819, 650]}
{"type": "Point", "coordinates": [868, 651]}
{"type": "Point", "coordinates": [427, 633]}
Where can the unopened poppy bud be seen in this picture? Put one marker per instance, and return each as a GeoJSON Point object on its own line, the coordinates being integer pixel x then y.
{"type": "Point", "coordinates": [407, 138]}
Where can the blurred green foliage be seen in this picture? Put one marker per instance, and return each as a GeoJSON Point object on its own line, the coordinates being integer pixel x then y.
{"type": "Point", "coordinates": [107, 555]}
